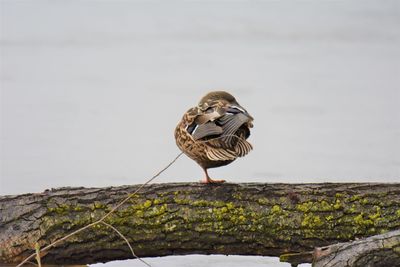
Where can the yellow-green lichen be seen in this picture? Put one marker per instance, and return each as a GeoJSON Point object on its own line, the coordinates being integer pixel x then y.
{"type": "Point", "coordinates": [337, 204]}
{"type": "Point", "coordinates": [352, 209]}
{"type": "Point", "coordinates": [276, 209]}
{"type": "Point", "coordinates": [181, 201]}
{"type": "Point", "coordinates": [237, 195]}
{"type": "Point", "coordinates": [170, 214]}
{"type": "Point", "coordinates": [338, 195]}
{"type": "Point", "coordinates": [311, 221]}
{"type": "Point", "coordinates": [305, 207]}
{"type": "Point", "coordinates": [242, 218]}
{"type": "Point", "coordinates": [139, 213]}
{"type": "Point", "coordinates": [262, 201]}
{"type": "Point", "coordinates": [147, 204]}
{"type": "Point", "coordinates": [325, 206]}
{"type": "Point", "coordinates": [158, 210]}
{"type": "Point", "coordinates": [376, 215]}
{"type": "Point", "coordinates": [355, 198]}
{"type": "Point", "coordinates": [65, 209]}
{"type": "Point", "coordinates": [230, 205]}
{"type": "Point", "coordinates": [329, 218]}
{"type": "Point", "coordinates": [224, 209]}
{"type": "Point", "coordinates": [361, 221]}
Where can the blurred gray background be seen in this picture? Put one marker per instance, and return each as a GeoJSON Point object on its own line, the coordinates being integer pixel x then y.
{"type": "Point", "coordinates": [91, 92]}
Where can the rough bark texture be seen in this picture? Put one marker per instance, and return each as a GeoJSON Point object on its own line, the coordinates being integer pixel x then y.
{"type": "Point", "coordinates": [376, 251]}
{"type": "Point", "coordinates": [177, 219]}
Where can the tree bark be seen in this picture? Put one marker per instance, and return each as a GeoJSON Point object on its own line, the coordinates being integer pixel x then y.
{"type": "Point", "coordinates": [377, 251]}
{"type": "Point", "coordinates": [179, 219]}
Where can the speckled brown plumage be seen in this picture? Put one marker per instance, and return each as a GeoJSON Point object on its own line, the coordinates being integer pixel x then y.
{"type": "Point", "coordinates": [214, 132]}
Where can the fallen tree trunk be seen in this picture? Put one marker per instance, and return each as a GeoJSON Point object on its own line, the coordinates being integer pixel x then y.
{"type": "Point", "coordinates": [178, 219]}
{"type": "Point", "coordinates": [377, 251]}
{"type": "Point", "coordinates": [380, 250]}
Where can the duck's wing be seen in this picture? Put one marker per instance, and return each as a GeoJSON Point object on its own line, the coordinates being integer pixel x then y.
{"type": "Point", "coordinates": [234, 134]}
{"type": "Point", "coordinates": [209, 115]}
{"type": "Point", "coordinates": [231, 143]}
{"type": "Point", "coordinates": [220, 154]}
{"type": "Point", "coordinates": [219, 130]}
{"type": "Point", "coordinates": [206, 130]}
{"type": "Point", "coordinates": [242, 147]}
{"type": "Point", "coordinates": [204, 125]}
{"type": "Point", "coordinates": [230, 124]}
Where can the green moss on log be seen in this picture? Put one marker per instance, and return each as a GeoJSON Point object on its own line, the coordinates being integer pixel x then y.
{"type": "Point", "coordinates": [323, 217]}
{"type": "Point", "coordinates": [251, 219]}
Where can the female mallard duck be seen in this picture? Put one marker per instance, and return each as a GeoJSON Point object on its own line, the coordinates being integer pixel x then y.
{"type": "Point", "coordinates": [214, 133]}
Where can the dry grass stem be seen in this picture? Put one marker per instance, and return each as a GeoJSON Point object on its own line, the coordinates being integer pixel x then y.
{"type": "Point", "coordinates": [127, 242]}
{"type": "Point", "coordinates": [37, 249]}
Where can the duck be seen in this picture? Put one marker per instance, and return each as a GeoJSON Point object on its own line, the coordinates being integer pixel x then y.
{"type": "Point", "coordinates": [214, 133]}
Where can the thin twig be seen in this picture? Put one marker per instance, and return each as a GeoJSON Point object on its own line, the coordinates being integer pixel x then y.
{"type": "Point", "coordinates": [37, 249]}
{"type": "Point", "coordinates": [102, 218]}
{"type": "Point", "coordinates": [127, 242]}
{"type": "Point", "coordinates": [140, 187]}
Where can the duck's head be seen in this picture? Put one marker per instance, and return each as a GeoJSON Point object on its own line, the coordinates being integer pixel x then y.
{"type": "Point", "coordinates": [226, 99]}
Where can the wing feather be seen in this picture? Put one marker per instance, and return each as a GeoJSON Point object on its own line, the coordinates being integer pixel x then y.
{"type": "Point", "coordinates": [220, 133]}
{"type": "Point", "coordinates": [230, 124]}
{"type": "Point", "coordinates": [207, 129]}
{"type": "Point", "coordinates": [243, 147]}
{"type": "Point", "coordinates": [211, 115]}
{"type": "Point", "coordinates": [220, 154]}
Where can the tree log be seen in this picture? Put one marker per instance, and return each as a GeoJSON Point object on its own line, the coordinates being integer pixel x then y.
{"type": "Point", "coordinates": [377, 251]}
{"type": "Point", "coordinates": [179, 219]}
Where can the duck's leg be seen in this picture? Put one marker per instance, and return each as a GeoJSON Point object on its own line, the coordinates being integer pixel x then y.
{"type": "Point", "coordinates": [208, 180]}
